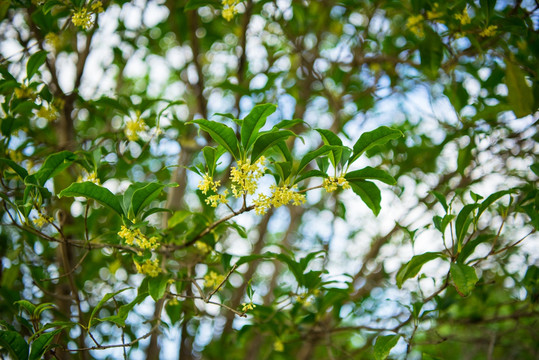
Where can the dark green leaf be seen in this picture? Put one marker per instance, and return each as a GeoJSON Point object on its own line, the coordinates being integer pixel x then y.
{"type": "Point", "coordinates": [311, 155]}
{"type": "Point", "coordinates": [14, 343]}
{"type": "Point", "coordinates": [412, 267]}
{"type": "Point", "coordinates": [19, 170]}
{"type": "Point", "coordinates": [383, 346]}
{"type": "Point", "coordinates": [35, 62]}
{"type": "Point", "coordinates": [330, 138]}
{"type": "Point", "coordinates": [145, 195]}
{"type": "Point", "coordinates": [253, 123]}
{"type": "Point", "coordinates": [26, 305]}
{"type": "Point", "coordinates": [441, 199]}
{"type": "Point", "coordinates": [222, 134]}
{"type": "Point", "coordinates": [124, 310]}
{"type": "Point", "coordinates": [53, 165]}
{"type": "Point", "coordinates": [42, 344]}
{"type": "Point", "coordinates": [491, 199]}
{"type": "Point", "coordinates": [369, 173]}
{"type": "Point", "coordinates": [92, 191]}
{"type": "Point", "coordinates": [369, 193]}
{"type": "Point", "coordinates": [464, 278]}
{"type": "Point", "coordinates": [157, 286]}
{"type": "Point", "coordinates": [373, 138]}
{"type": "Point", "coordinates": [266, 141]}
{"type": "Point", "coordinates": [463, 223]}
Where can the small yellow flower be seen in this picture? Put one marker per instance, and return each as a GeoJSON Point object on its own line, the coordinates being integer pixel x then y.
{"type": "Point", "coordinates": [15, 155]}
{"type": "Point", "coordinates": [247, 306]}
{"type": "Point", "coordinates": [415, 25]}
{"type": "Point", "coordinates": [214, 200]}
{"type": "Point", "coordinates": [134, 127]}
{"type": "Point", "coordinates": [489, 31]}
{"type": "Point", "coordinates": [24, 92]}
{"type": "Point", "coordinates": [434, 13]}
{"type": "Point", "coordinates": [173, 301]}
{"type": "Point", "coordinates": [464, 17]}
{"type": "Point", "coordinates": [245, 176]}
{"type": "Point", "coordinates": [82, 18]}
{"type": "Point", "coordinates": [202, 247]}
{"type": "Point", "coordinates": [149, 267]}
{"type": "Point", "coordinates": [207, 184]}
{"type": "Point", "coordinates": [213, 280]}
{"type": "Point", "coordinates": [50, 113]}
{"type": "Point", "coordinates": [42, 220]}
{"type": "Point", "coordinates": [97, 7]}
{"type": "Point", "coordinates": [278, 346]}
{"type": "Point", "coordinates": [53, 40]}
{"type": "Point", "coordinates": [229, 9]}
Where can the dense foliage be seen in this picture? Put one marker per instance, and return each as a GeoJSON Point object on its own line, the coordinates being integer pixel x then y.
{"type": "Point", "coordinates": [269, 179]}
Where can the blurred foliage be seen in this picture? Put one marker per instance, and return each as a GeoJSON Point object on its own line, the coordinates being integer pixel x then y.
{"type": "Point", "coordinates": [269, 179]}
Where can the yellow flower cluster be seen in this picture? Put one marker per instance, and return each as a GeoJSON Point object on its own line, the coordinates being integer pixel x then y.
{"type": "Point", "coordinates": [149, 267]}
{"type": "Point", "coordinates": [202, 247]}
{"type": "Point", "coordinates": [83, 17]}
{"type": "Point", "coordinates": [50, 113]}
{"type": "Point", "coordinates": [42, 220]}
{"type": "Point", "coordinates": [213, 280]}
{"type": "Point", "coordinates": [214, 200]}
{"type": "Point", "coordinates": [434, 13]}
{"type": "Point", "coordinates": [245, 176]}
{"type": "Point", "coordinates": [25, 92]}
{"type": "Point", "coordinates": [92, 177]}
{"type": "Point", "coordinates": [247, 306]}
{"type": "Point", "coordinates": [229, 9]}
{"type": "Point", "coordinates": [415, 25]}
{"type": "Point", "coordinates": [207, 184]}
{"type": "Point", "coordinates": [15, 155]}
{"type": "Point", "coordinates": [53, 40]}
{"type": "Point", "coordinates": [281, 195]}
{"type": "Point", "coordinates": [489, 31]}
{"type": "Point", "coordinates": [332, 183]}
{"type": "Point", "coordinates": [134, 127]}
{"type": "Point", "coordinates": [135, 235]}
{"type": "Point", "coordinates": [464, 17]}
{"type": "Point", "coordinates": [278, 346]}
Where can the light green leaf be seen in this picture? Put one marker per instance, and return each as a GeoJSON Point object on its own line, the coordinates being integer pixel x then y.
{"type": "Point", "coordinates": [123, 312]}
{"type": "Point", "coordinates": [266, 141]}
{"type": "Point", "coordinates": [519, 94]}
{"type": "Point", "coordinates": [222, 134]}
{"type": "Point", "coordinates": [464, 278]}
{"type": "Point", "coordinates": [412, 267]}
{"type": "Point", "coordinates": [491, 199]}
{"type": "Point", "coordinates": [14, 343]}
{"type": "Point", "coordinates": [100, 304]}
{"type": "Point", "coordinates": [42, 344]}
{"type": "Point", "coordinates": [369, 173]}
{"type": "Point", "coordinates": [35, 62]}
{"type": "Point", "coordinates": [373, 138]}
{"type": "Point", "coordinates": [26, 305]}
{"type": "Point", "coordinates": [369, 193]}
{"type": "Point", "coordinates": [330, 138]}
{"type": "Point", "coordinates": [92, 191]}
{"type": "Point", "coordinates": [254, 122]}
{"type": "Point", "coordinates": [383, 346]}
{"type": "Point", "coordinates": [157, 286]}
{"type": "Point", "coordinates": [53, 165]}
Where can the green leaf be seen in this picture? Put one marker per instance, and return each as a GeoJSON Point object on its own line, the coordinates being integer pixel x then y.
{"type": "Point", "coordinates": [222, 134]}
{"type": "Point", "coordinates": [26, 305]}
{"type": "Point", "coordinates": [92, 191]}
{"type": "Point", "coordinates": [254, 122]}
{"type": "Point", "coordinates": [431, 53]}
{"type": "Point", "coordinates": [19, 170]}
{"type": "Point", "coordinates": [463, 223]}
{"type": "Point", "coordinates": [519, 94]}
{"type": "Point", "coordinates": [100, 304]}
{"type": "Point", "coordinates": [123, 312]}
{"type": "Point", "coordinates": [14, 343]}
{"type": "Point", "coordinates": [383, 346]}
{"type": "Point", "coordinates": [157, 286]}
{"type": "Point", "coordinates": [464, 278]}
{"type": "Point", "coordinates": [210, 156]}
{"type": "Point", "coordinates": [53, 165]}
{"type": "Point", "coordinates": [412, 267]}
{"type": "Point", "coordinates": [491, 199]}
{"type": "Point", "coordinates": [330, 138]}
{"type": "Point", "coordinates": [310, 174]}
{"type": "Point", "coordinates": [311, 155]}
{"type": "Point", "coordinates": [35, 62]}
{"type": "Point", "coordinates": [369, 193]}
{"type": "Point", "coordinates": [145, 195]}
{"type": "Point", "coordinates": [441, 199]}
{"type": "Point", "coordinates": [369, 173]}
{"type": "Point", "coordinates": [47, 7]}
{"type": "Point", "coordinates": [42, 344]}
{"type": "Point", "coordinates": [266, 141]}
{"type": "Point", "coordinates": [373, 138]}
